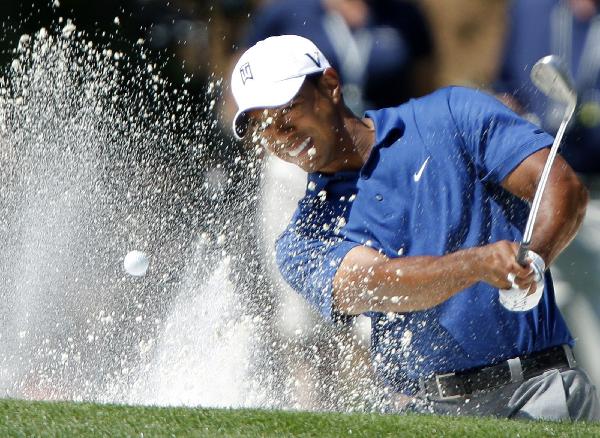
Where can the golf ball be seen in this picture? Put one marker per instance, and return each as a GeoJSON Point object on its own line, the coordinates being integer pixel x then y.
{"type": "Point", "coordinates": [136, 263]}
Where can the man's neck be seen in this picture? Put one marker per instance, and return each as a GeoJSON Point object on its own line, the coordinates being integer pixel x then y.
{"type": "Point", "coordinates": [354, 145]}
{"type": "Point", "coordinates": [361, 135]}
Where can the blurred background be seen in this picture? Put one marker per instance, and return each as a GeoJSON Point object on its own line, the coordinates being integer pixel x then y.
{"type": "Point", "coordinates": [115, 136]}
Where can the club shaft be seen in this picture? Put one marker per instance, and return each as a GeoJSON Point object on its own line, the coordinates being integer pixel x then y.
{"type": "Point", "coordinates": [537, 199]}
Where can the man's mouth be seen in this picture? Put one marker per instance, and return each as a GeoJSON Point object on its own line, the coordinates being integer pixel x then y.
{"type": "Point", "coordinates": [298, 150]}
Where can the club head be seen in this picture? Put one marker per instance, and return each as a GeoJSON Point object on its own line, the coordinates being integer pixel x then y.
{"type": "Point", "coordinates": [551, 76]}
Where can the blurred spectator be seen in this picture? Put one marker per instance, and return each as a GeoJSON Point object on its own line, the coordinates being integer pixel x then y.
{"type": "Point", "coordinates": [570, 29]}
{"type": "Point", "coordinates": [392, 35]}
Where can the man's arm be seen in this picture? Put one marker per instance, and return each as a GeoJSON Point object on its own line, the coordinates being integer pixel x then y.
{"type": "Point", "coordinates": [563, 203]}
{"type": "Point", "coordinates": [369, 281]}
{"type": "Point", "coordinates": [494, 137]}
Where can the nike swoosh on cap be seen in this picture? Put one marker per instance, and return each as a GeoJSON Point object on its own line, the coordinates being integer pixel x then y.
{"type": "Point", "coordinates": [314, 59]}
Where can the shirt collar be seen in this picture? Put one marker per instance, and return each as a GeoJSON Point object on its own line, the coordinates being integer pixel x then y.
{"type": "Point", "coordinates": [318, 181]}
{"type": "Point", "coordinates": [389, 127]}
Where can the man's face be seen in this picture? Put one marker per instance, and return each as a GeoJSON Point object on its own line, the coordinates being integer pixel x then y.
{"type": "Point", "coordinates": [303, 132]}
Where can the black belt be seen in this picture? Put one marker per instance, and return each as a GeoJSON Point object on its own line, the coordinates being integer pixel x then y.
{"type": "Point", "coordinates": [461, 383]}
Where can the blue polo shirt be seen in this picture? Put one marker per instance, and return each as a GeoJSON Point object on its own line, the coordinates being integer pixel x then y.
{"type": "Point", "coordinates": [431, 186]}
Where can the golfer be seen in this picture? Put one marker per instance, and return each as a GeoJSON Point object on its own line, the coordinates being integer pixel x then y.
{"type": "Point", "coordinates": [411, 217]}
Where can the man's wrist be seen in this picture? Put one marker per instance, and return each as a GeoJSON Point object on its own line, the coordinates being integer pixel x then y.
{"type": "Point", "coordinates": [472, 264]}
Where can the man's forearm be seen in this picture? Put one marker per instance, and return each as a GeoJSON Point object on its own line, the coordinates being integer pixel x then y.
{"type": "Point", "coordinates": [561, 214]}
{"type": "Point", "coordinates": [405, 284]}
{"type": "Point", "coordinates": [562, 207]}
{"type": "Point", "coordinates": [369, 281]}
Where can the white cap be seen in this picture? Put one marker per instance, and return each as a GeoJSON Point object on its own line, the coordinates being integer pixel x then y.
{"type": "Point", "coordinates": [270, 73]}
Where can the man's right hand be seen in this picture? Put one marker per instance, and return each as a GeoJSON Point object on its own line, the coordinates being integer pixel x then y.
{"type": "Point", "coordinates": [497, 265]}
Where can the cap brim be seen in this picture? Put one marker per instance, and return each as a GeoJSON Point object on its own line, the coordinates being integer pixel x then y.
{"type": "Point", "coordinates": [272, 96]}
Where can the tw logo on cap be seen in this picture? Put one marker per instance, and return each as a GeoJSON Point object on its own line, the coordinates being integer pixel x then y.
{"type": "Point", "coordinates": [246, 73]}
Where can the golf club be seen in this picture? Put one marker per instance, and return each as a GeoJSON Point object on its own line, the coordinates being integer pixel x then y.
{"type": "Point", "coordinates": [552, 78]}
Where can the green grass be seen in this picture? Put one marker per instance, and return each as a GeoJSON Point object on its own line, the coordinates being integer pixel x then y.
{"type": "Point", "coordinates": [26, 419]}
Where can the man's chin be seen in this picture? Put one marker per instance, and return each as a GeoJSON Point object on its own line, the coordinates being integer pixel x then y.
{"type": "Point", "coordinates": [308, 166]}
{"type": "Point", "coordinates": [305, 163]}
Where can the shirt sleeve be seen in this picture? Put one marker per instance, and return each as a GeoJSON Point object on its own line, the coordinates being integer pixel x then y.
{"type": "Point", "coordinates": [496, 138]}
{"type": "Point", "coordinates": [308, 260]}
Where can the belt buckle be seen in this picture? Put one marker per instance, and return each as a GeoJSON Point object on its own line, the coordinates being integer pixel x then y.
{"type": "Point", "coordinates": [439, 387]}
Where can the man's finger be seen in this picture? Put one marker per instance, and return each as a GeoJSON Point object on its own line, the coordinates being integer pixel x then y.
{"type": "Point", "coordinates": [532, 288]}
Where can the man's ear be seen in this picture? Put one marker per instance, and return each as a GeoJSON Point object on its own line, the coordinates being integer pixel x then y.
{"type": "Point", "coordinates": [330, 84]}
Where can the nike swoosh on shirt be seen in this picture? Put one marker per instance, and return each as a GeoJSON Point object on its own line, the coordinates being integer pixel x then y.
{"type": "Point", "coordinates": [417, 176]}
